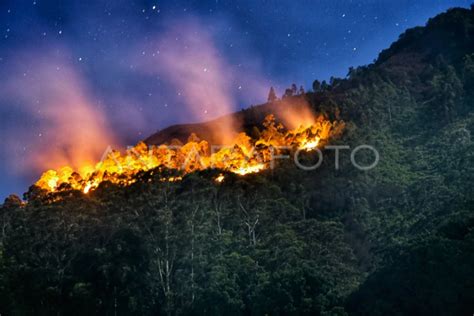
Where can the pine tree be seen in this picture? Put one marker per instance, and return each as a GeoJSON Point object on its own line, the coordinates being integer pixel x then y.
{"type": "Point", "coordinates": [288, 93]}
{"type": "Point", "coordinates": [294, 89]}
{"type": "Point", "coordinates": [272, 95]}
{"type": "Point", "coordinates": [316, 85]}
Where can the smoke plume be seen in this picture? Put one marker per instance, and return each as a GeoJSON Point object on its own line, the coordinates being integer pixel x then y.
{"type": "Point", "coordinates": [188, 57]}
{"type": "Point", "coordinates": [64, 126]}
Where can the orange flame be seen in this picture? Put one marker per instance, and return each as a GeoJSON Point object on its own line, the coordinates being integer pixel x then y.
{"type": "Point", "coordinates": [245, 156]}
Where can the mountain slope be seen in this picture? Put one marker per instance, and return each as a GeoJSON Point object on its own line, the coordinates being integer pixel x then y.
{"type": "Point", "coordinates": [396, 239]}
{"type": "Point", "coordinates": [244, 120]}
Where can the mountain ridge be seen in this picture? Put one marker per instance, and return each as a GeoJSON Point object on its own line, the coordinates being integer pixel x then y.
{"type": "Point", "coordinates": [435, 40]}
{"type": "Point", "coordinates": [394, 240]}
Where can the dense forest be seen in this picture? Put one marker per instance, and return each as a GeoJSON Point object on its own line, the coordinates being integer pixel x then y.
{"type": "Point", "coordinates": [394, 240]}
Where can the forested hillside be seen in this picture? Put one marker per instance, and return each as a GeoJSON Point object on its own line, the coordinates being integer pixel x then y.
{"type": "Point", "coordinates": [394, 240]}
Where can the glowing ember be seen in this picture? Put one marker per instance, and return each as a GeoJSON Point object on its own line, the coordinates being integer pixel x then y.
{"type": "Point", "coordinates": [87, 188]}
{"type": "Point", "coordinates": [220, 178]}
{"type": "Point", "coordinates": [244, 156]}
{"type": "Point", "coordinates": [310, 144]}
{"type": "Point", "coordinates": [249, 169]}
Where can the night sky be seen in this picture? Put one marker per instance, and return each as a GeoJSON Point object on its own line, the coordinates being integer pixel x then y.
{"type": "Point", "coordinates": [77, 76]}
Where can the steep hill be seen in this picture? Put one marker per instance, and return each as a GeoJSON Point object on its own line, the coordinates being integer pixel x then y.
{"type": "Point", "coordinates": [446, 39]}
{"type": "Point", "coordinates": [394, 240]}
{"type": "Point", "coordinates": [244, 120]}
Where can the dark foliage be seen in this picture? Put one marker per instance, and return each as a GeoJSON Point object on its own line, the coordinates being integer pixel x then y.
{"type": "Point", "coordinates": [395, 240]}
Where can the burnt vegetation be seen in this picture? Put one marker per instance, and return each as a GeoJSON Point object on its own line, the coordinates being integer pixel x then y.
{"type": "Point", "coordinates": [395, 240]}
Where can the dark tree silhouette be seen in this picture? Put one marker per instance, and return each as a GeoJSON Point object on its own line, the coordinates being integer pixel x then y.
{"type": "Point", "coordinates": [324, 85]}
{"type": "Point", "coordinates": [301, 90]}
{"type": "Point", "coordinates": [294, 89]}
{"type": "Point", "coordinates": [272, 95]}
{"type": "Point", "coordinates": [288, 93]}
{"type": "Point", "coordinates": [316, 85]}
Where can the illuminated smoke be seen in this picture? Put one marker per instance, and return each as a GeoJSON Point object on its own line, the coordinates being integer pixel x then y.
{"type": "Point", "coordinates": [64, 126]}
{"type": "Point", "coordinates": [295, 113]}
{"type": "Point", "coordinates": [187, 57]}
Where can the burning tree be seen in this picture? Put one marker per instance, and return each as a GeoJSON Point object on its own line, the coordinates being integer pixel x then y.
{"type": "Point", "coordinates": [241, 156]}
